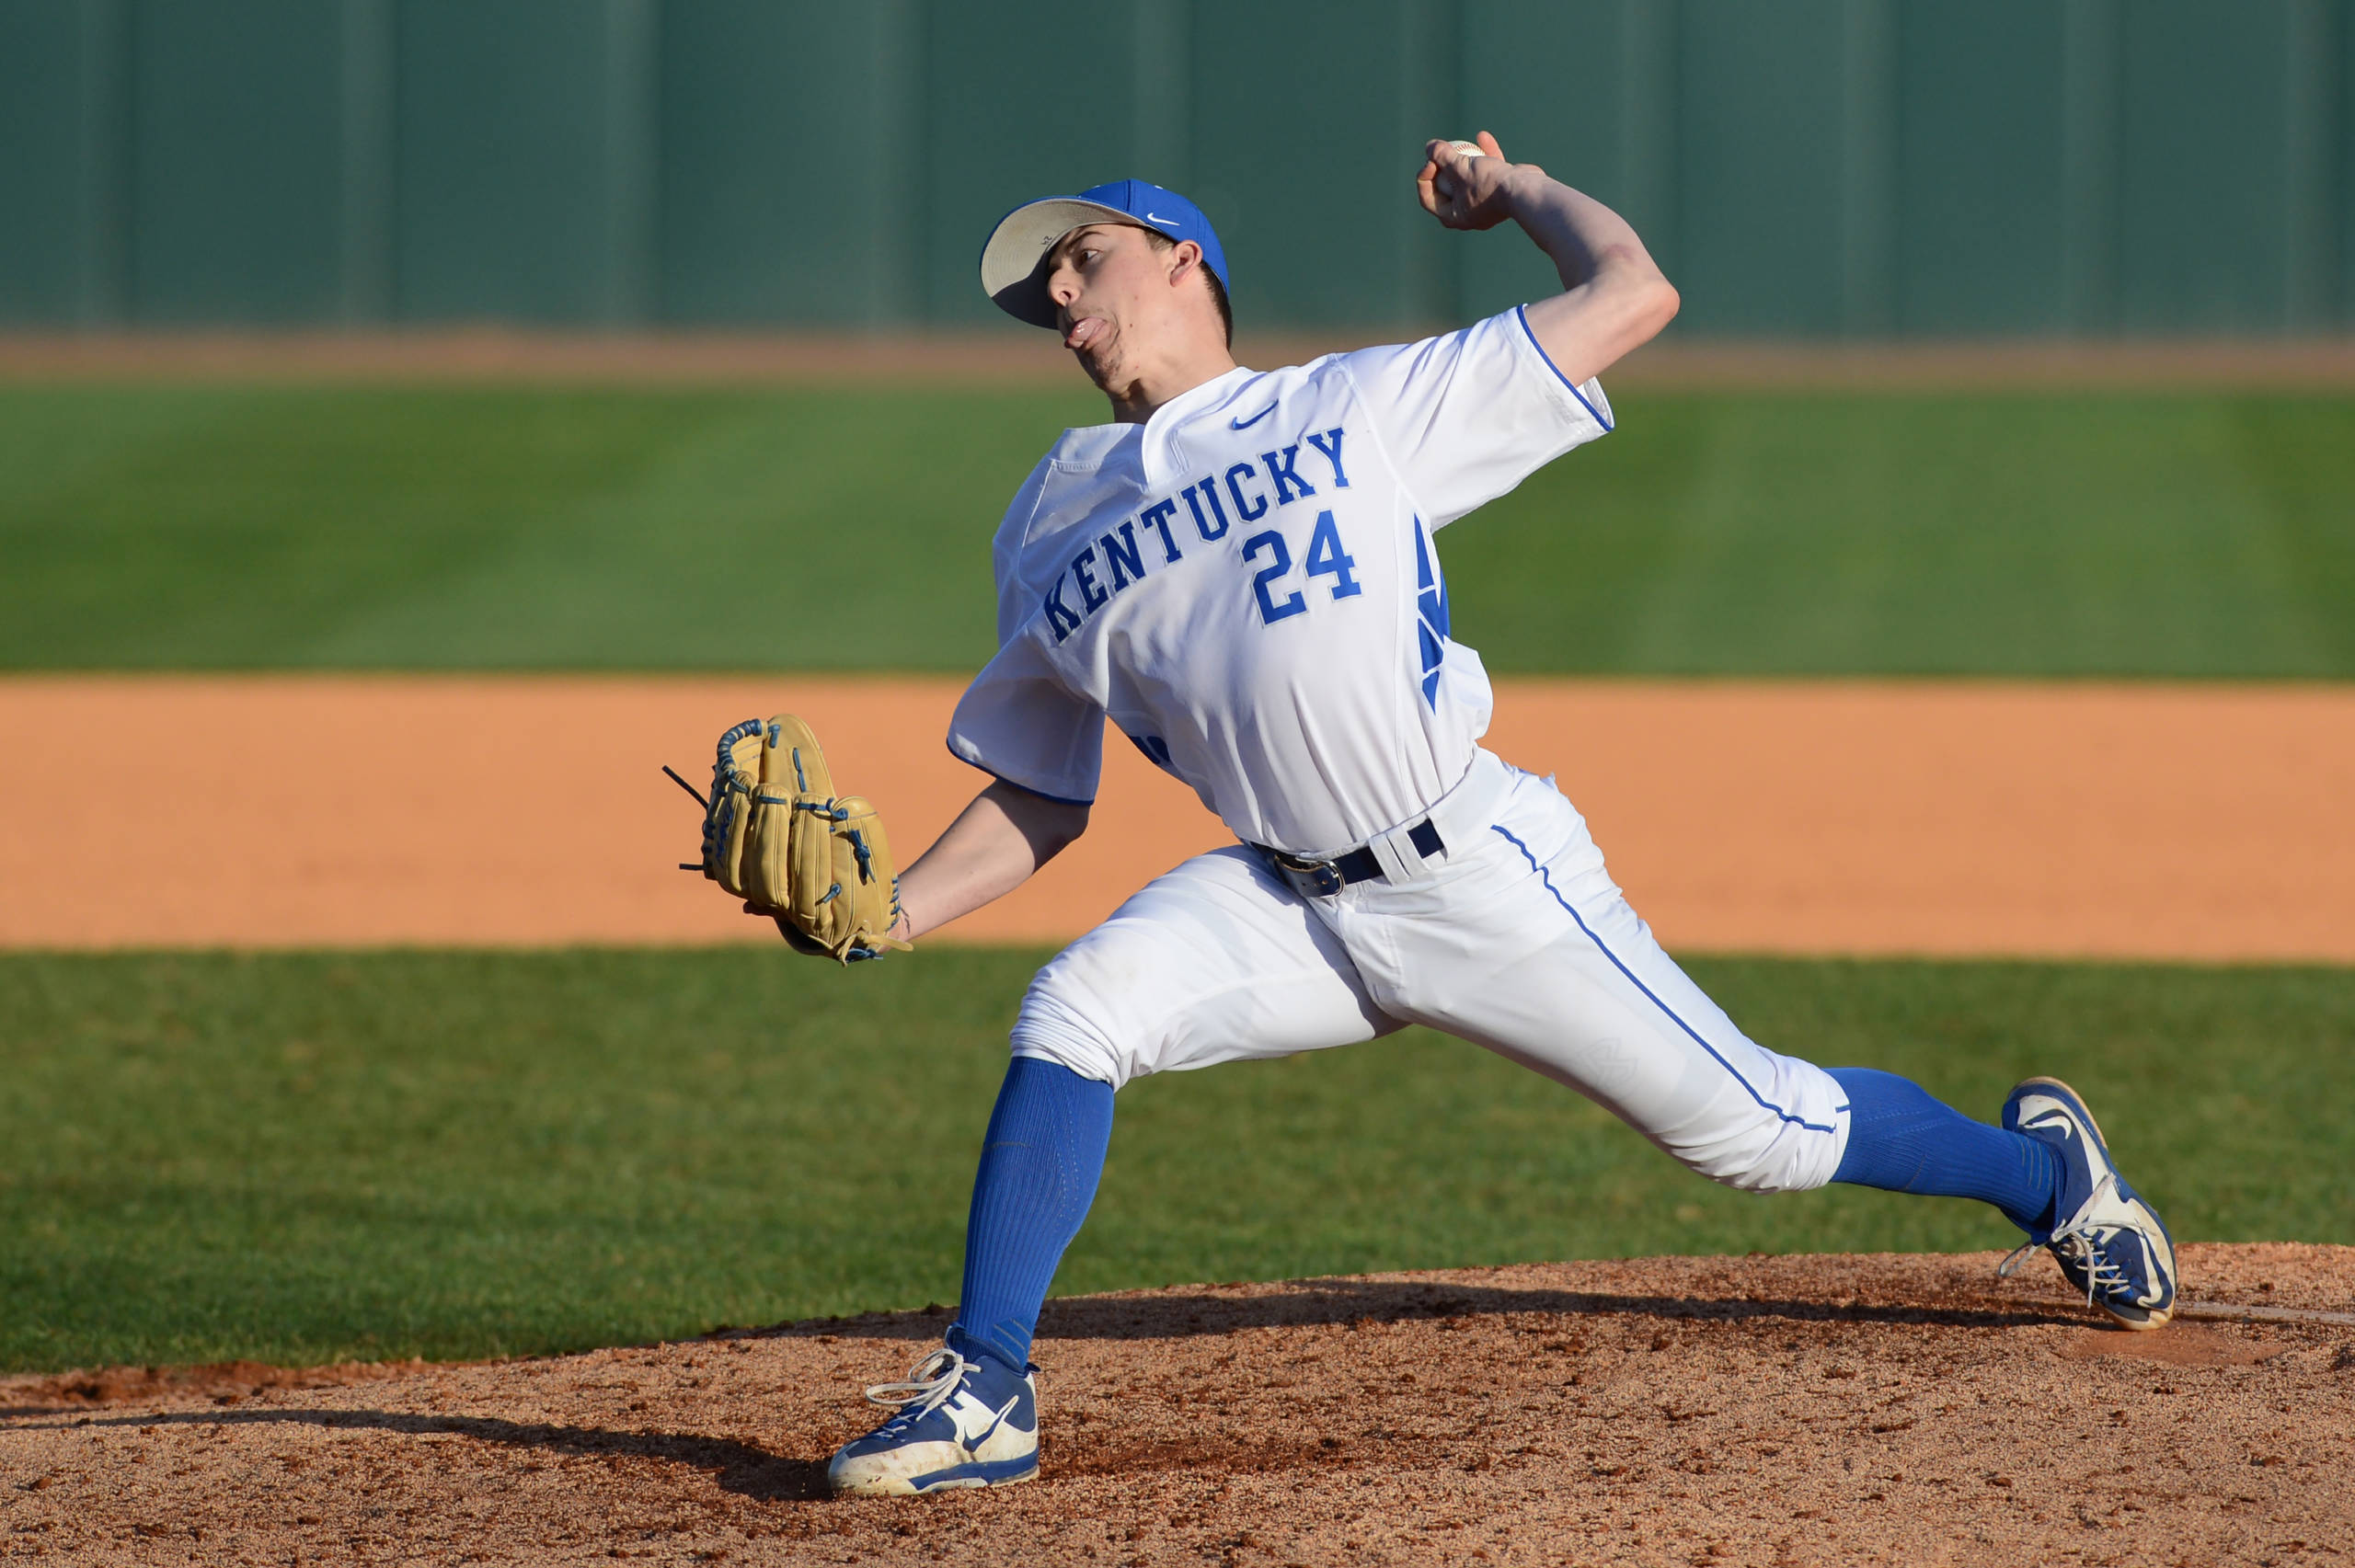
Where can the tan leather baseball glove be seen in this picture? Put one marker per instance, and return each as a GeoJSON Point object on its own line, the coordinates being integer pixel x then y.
{"type": "Point", "coordinates": [776, 835]}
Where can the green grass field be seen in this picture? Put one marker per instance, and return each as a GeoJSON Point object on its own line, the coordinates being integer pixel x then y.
{"type": "Point", "coordinates": [301, 1158]}
{"type": "Point", "coordinates": [2002, 534]}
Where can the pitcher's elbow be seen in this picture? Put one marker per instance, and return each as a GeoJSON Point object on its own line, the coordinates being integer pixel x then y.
{"type": "Point", "coordinates": [1061, 832]}
{"type": "Point", "coordinates": [1658, 306]}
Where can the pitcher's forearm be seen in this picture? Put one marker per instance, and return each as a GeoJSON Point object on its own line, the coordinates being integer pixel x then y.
{"type": "Point", "coordinates": [1615, 298]}
{"type": "Point", "coordinates": [995, 845]}
{"type": "Point", "coordinates": [937, 890]}
{"type": "Point", "coordinates": [1584, 239]}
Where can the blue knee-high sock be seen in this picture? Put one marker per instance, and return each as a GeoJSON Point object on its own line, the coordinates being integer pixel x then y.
{"type": "Point", "coordinates": [1041, 1162]}
{"type": "Point", "coordinates": [1901, 1139]}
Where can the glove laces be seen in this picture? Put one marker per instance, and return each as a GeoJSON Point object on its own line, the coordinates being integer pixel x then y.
{"type": "Point", "coordinates": [927, 1386]}
{"type": "Point", "coordinates": [2078, 1242]}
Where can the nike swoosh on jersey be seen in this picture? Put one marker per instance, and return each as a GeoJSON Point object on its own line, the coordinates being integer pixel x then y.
{"type": "Point", "coordinates": [1246, 424]}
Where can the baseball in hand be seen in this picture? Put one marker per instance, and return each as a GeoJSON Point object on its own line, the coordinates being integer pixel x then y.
{"type": "Point", "coordinates": [1448, 186]}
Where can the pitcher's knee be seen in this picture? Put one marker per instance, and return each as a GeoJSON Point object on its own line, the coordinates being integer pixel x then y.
{"type": "Point", "coordinates": [1742, 1139]}
{"type": "Point", "coordinates": [1787, 1159]}
{"type": "Point", "coordinates": [1062, 1021]}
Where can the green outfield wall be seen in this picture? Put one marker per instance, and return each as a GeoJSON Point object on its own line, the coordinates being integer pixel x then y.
{"type": "Point", "coordinates": [1805, 168]}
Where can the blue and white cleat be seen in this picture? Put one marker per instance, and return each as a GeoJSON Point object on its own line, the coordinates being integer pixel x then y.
{"type": "Point", "coordinates": [960, 1423]}
{"type": "Point", "coordinates": [2109, 1243]}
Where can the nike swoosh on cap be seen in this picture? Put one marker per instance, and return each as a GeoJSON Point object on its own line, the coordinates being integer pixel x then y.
{"type": "Point", "coordinates": [1244, 424]}
{"type": "Point", "coordinates": [1157, 218]}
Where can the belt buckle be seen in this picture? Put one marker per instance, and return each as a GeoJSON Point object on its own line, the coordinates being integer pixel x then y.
{"type": "Point", "coordinates": [1317, 879]}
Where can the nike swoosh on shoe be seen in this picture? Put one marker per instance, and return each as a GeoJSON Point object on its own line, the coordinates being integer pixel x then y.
{"type": "Point", "coordinates": [973, 1445]}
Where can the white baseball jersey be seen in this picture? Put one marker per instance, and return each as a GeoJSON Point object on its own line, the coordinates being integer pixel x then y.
{"type": "Point", "coordinates": [1246, 584]}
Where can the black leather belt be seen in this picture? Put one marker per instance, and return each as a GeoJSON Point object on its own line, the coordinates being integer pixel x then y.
{"type": "Point", "coordinates": [1323, 878]}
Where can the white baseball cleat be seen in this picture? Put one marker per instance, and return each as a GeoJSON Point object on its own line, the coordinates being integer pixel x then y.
{"type": "Point", "coordinates": [2108, 1242]}
{"type": "Point", "coordinates": [960, 1424]}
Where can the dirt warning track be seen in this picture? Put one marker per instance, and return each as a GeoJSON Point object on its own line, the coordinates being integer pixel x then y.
{"type": "Point", "coordinates": [2145, 822]}
{"type": "Point", "coordinates": [1792, 1410]}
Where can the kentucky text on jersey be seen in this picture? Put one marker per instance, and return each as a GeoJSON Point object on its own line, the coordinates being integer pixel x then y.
{"type": "Point", "coordinates": [1119, 558]}
{"type": "Point", "coordinates": [1247, 585]}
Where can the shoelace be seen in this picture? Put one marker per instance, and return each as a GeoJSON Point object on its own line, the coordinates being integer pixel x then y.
{"type": "Point", "coordinates": [2077, 1239]}
{"type": "Point", "coordinates": [926, 1387]}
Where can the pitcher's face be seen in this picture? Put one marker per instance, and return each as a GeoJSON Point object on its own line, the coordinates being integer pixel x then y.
{"type": "Point", "coordinates": [1116, 293]}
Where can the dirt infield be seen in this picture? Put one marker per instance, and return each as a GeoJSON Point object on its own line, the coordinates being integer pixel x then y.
{"type": "Point", "coordinates": [1012, 357]}
{"type": "Point", "coordinates": [1768, 1411]}
{"type": "Point", "coordinates": [2151, 821]}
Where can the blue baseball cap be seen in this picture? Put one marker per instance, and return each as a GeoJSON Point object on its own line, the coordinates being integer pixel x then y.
{"type": "Point", "coordinates": [1014, 261]}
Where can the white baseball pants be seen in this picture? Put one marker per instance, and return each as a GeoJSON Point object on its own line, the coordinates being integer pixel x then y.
{"type": "Point", "coordinates": [1515, 940]}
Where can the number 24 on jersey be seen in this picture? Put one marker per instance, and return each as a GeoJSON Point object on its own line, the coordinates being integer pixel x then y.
{"type": "Point", "coordinates": [1326, 558]}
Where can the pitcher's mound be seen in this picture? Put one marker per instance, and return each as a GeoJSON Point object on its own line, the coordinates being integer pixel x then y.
{"type": "Point", "coordinates": [1680, 1410]}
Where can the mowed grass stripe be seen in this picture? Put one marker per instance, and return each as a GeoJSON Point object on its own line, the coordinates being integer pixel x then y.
{"type": "Point", "coordinates": [1786, 533]}
{"type": "Point", "coordinates": [309, 1157]}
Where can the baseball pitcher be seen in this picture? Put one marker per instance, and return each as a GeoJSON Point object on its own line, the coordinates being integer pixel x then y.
{"type": "Point", "coordinates": [1242, 570]}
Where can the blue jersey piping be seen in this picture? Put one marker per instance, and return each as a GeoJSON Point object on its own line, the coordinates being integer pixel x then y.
{"type": "Point", "coordinates": [1522, 312]}
{"type": "Point", "coordinates": [1547, 878]}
